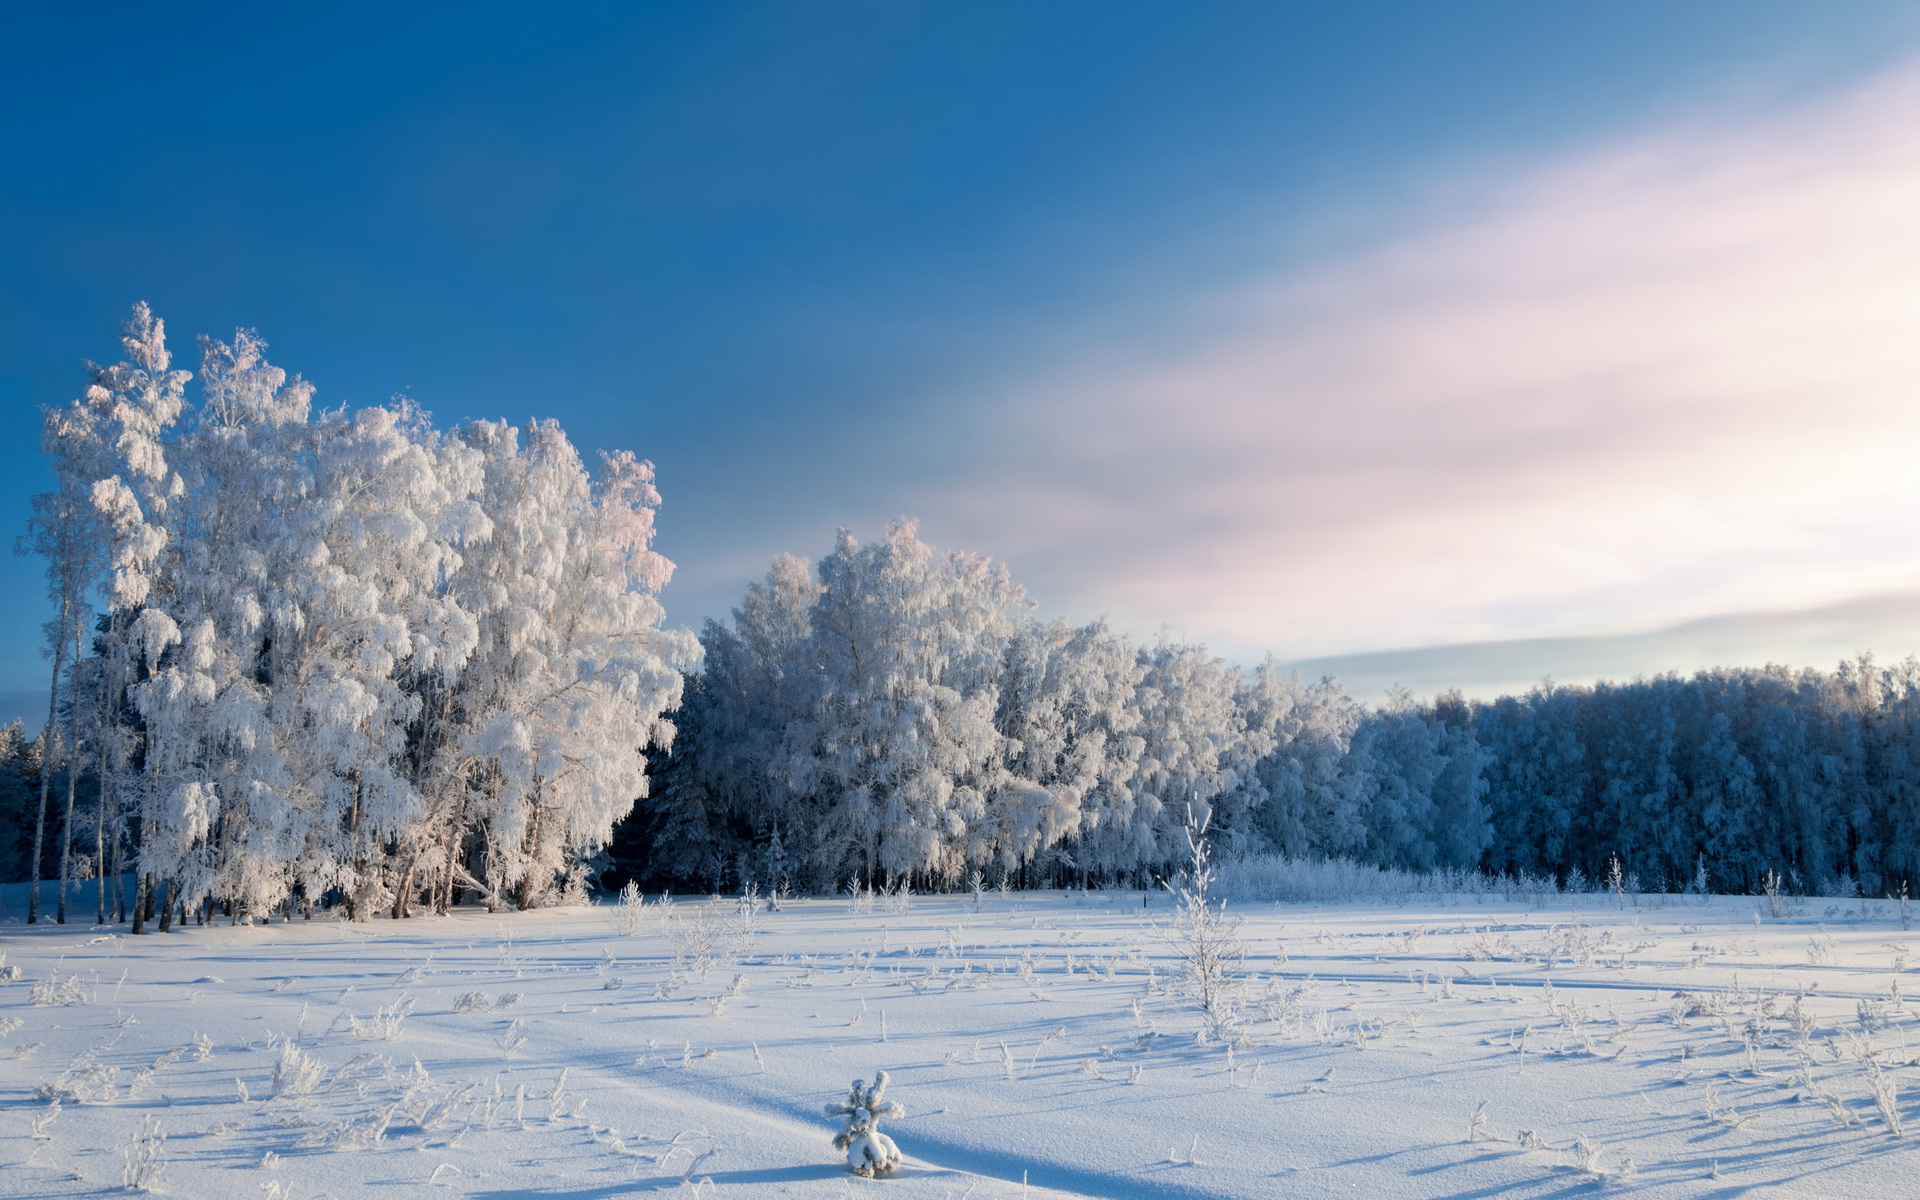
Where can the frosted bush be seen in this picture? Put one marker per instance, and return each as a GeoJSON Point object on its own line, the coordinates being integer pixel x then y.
{"type": "Point", "coordinates": [296, 1073]}
{"type": "Point", "coordinates": [896, 900]}
{"type": "Point", "coordinates": [859, 898]}
{"type": "Point", "coordinates": [83, 1082]}
{"type": "Point", "coordinates": [631, 916]}
{"type": "Point", "coordinates": [869, 1152]}
{"type": "Point", "coordinates": [143, 1168]}
{"type": "Point", "coordinates": [1886, 1098]}
{"type": "Point", "coordinates": [708, 938]}
{"type": "Point", "coordinates": [1774, 900]}
{"type": "Point", "coordinates": [58, 990]}
{"type": "Point", "coordinates": [384, 1024]}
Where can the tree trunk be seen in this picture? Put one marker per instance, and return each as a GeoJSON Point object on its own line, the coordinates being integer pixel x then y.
{"type": "Point", "coordinates": [404, 891]}
{"type": "Point", "coordinates": [533, 843]}
{"type": "Point", "coordinates": [143, 885]}
{"type": "Point", "coordinates": [100, 837]}
{"type": "Point", "coordinates": [360, 864]}
{"type": "Point", "coordinates": [119, 877]}
{"type": "Point", "coordinates": [66, 849]}
{"type": "Point", "coordinates": [49, 739]}
{"type": "Point", "coordinates": [73, 763]}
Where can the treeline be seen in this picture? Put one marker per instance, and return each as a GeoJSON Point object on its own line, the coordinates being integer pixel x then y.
{"type": "Point", "coordinates": [898, 715]}
{"type": "Point", "coordinates": [338, 657]}
{"type": "Point", "coordinates": [341, 658]}
{"type": "Point", "coordinates": [1712, 780]}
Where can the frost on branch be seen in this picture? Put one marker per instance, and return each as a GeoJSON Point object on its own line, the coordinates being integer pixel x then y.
{"type": "Point", "coordinates": [869, 1152]}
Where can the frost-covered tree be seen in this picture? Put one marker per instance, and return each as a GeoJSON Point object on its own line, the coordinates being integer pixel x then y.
{"type": "Point", "coordinates": [1296, 794]}
{"type": "Point", "coordinates": [895, 762]}
{"type": "Point", "coordinates": [572, 674]}
{"type": "Point", "coordinates": [1068, 715]}
{"type": "Point", "coordinates": [725, 798]}
{"type": "Point", "coordinates": [64, 530]}
{"type": "Point", "coordinates": [1423, 788]}
{"type": "Point", "coordinates": [1205, 938]}
{"type": "Point", "coordinates": [1536, 774]}
{"type": "Point", "coordinates": [111, 477]}
{"type": "Point", "coordinates": [134, 407]}
{"type": "Point", "coordinates": [1191, 730]}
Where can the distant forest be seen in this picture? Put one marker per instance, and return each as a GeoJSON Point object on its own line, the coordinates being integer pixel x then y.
{"type": "Point", "coordinates": [344, 659]}
{"type": "Point", "coordinates": [896, 712]}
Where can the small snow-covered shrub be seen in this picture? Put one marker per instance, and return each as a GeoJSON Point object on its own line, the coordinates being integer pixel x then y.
{"type": "Point", "coordinates": [473, 1002]}
{"type": "Point", "coordinates": [708, 938]}
{"type": "Point", "coordinates": [1774, 900]}
{"type": "Point", "coordinates": [697, 940]}
{"type": "Point", "coordinates": [869, 1152]}
{"type": "Point", "coordinates": [296, 1073]}
{"type": "Point", "coordinates": [144, 1168]}
{"type": "Point", "coordinates": [58, 989]}
{"type": "Point", "coordinates": [859, 898]}
{"type": "Point", "coordinates": [897, 899]}
{"type": "Point", "coordinates": [512, 1039]}
{"type": "Point", "coordinates": [631, 915]}
{"type": "Point", "coordinates": [384, 1024]}
{"type": "Point", "coordinates": [85, 1081]}
{"type": "Point", "coordinates": [1885, 1098]}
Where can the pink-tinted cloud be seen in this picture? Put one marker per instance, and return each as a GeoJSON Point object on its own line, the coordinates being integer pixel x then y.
{"type": "Point", "coordinates": [1667, 378]}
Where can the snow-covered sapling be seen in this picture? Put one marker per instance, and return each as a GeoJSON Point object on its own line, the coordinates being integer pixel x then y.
{"type": "Point", "coordinates": [1206, 939]}
{"type": "Point", "coordinates": [869, 1152]}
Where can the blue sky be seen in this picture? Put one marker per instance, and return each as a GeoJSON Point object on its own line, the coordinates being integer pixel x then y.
{"type": "Point", "coordinates": [1330, 329]}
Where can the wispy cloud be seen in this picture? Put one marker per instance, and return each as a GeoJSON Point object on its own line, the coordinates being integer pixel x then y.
{"type": "Point", "coordinates": [1666, 378]}
{"type": "Point", "coordinates": [1818, 637]}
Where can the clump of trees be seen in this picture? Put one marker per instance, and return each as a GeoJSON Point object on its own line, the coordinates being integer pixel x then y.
{"type": "Point", "coordinates": [1712, 781]}
{"type": "Point", "coordinates": [337, 656]}
{"type": "Point", "coordinates": [899, 716]}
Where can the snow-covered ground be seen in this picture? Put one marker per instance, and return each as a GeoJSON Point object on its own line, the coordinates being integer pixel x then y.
{"type": "Point", "coordinates": [1041, 1044]}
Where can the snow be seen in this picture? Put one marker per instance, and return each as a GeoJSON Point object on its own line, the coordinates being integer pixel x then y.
{"type": "Point", "coordinates": [1041, 1038]}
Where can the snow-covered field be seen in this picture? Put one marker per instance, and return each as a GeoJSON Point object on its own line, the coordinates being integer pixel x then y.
{"type": "Point", "coordinates": [1041, 1043]}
